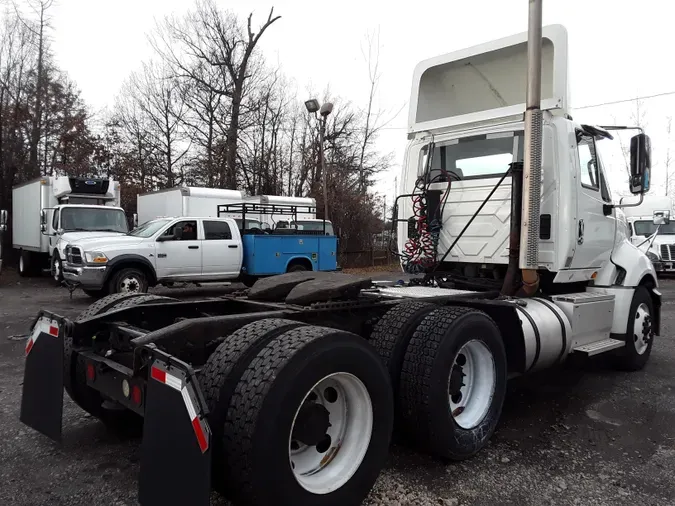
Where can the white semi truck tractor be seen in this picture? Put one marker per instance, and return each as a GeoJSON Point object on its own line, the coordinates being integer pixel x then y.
{"type": "Point", "coordinates": [288, 393]}
{"type": "Point", "coordinates": [51, 211]}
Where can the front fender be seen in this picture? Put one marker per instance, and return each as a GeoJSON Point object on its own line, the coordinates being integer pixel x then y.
{"type": "Point", "coordinates": [633, 261]}
{"type": "Point", "coordinates": [130, 259]}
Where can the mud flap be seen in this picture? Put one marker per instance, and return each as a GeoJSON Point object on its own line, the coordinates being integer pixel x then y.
{"type": "Point", "coordinates": [176, 447]}
{"type": "Point", "coordinates": [42, 394]}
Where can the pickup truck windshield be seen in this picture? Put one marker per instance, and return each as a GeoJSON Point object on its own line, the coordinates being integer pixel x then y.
{"type": "Point", "coordinates": [149, 228]}
{"type": "Point", "coordinates": [647, 228]}
{"type": "Point", "coordinates": [93, 219]}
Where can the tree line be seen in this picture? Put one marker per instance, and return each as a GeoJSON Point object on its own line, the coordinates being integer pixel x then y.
{"type": "Point", "coordinates": [206, 109]}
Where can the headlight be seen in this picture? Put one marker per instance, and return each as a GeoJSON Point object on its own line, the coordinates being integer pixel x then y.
{"type": "Point", "coordinates": [94, 257]}
{"type": "Point", "coordinates": [653, 256]}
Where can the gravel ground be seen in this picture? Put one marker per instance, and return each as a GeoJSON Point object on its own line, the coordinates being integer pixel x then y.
{"type": "Point", "coordinates": [578, 436]}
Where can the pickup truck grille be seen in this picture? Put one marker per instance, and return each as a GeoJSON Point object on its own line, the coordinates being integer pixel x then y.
{"type": "Point", "coordinates": [668, 251]}
{"type": "Point", "coordinates": [73, 255]}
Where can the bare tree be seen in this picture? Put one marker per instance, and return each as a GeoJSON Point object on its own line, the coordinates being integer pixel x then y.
{"type": "Point", "coordinates": [210, 37]}
{"type": "Point", "coordinates": [40, 10]}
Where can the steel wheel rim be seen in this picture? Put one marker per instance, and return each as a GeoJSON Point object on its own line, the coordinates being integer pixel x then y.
{"type": "Point", "coordinates": [642, 328]}
{"type": "Point", "coordinates": [328, 465]}
{"type": "Point", "coordinates": [130, 284]}
{"type": "Point", "coordinates": [472, 383]}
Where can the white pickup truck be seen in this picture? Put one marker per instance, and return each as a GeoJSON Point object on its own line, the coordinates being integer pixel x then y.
{"type": "Point", "coordinates": [195, 250]}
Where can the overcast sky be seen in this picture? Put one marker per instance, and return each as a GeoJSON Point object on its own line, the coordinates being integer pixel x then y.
{"type": "Point", "coordinates": [618, 49]}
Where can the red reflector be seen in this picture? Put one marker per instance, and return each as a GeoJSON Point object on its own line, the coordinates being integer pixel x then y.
{"type": "Point", "coordinates": [54, 331]}
{"type": "Point", "coordinates": [201, 437]}
{"type": "Point", "coordinates": [91, 372]}
{"type": "Point", "coordinates": [29, 345]}
{"type": "Point", "coordinates": [136, 394]}
{"type": "Point", "coordinates": [158, 374]}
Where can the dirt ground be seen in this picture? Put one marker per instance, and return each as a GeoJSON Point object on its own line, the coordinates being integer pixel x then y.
{"type": "Point", "coordinates": [577, 436]}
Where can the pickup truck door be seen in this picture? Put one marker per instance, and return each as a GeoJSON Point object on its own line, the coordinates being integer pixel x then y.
{"type": "Point", "coordinates": [221, 250]}
{"type": "Point", "coordinates": [180, 258]}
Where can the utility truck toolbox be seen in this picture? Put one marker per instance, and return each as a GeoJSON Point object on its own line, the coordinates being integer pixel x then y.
{"type": "Point", "coordinates": [286, 393]}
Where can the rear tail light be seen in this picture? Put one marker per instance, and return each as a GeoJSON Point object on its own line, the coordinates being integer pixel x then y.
{"type": "Point", "coordinates": [136, 395]}
{"type": "Point", "coordinates": [91, 372]}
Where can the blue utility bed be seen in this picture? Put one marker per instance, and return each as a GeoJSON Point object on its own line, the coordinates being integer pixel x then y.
{"type": "Point", "coordinates": [270, 254]}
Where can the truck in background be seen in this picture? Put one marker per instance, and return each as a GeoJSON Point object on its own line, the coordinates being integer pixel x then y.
{"type": "Point", "coordinates": [50, 211]}
{"type": "Point", "coordinates": [189, 249]}
{"type": "Point", "coordinates": [656, 241]}
{"type": "Point", "coordinates": [183, 201]}
{"type": "Point", "coordinates": [198, 201]}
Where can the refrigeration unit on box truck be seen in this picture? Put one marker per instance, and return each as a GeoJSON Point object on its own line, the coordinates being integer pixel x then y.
{"type": "Point", "coordinates": [183, 201]}
{"type": "Point", "coordinates": [51, 211]}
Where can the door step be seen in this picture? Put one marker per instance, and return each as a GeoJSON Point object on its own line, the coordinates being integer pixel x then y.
{"type": "Point", "coordinates": [599, 347]}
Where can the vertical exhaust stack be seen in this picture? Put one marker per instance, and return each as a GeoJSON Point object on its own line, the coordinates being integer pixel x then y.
{"type": "Point", "coordinates": [529, 237]}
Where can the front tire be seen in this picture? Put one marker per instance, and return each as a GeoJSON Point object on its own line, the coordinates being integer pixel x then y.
{"type": "Point", "coordinates": [639, 336]}
{"type": "Point", "coordinates": [453, 382]}
{"type": "Point", "coordinates": [129, 280]}
{"type": "Point", "coordinates": [310, 421]}
{"type": "Point", "coordinates": [57, 268]}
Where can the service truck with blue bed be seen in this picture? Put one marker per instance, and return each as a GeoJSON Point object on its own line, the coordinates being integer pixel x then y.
{"type": "Point", "coordinates": [287, 393]}
{"type": "Point", "coordinates": [197, 250]}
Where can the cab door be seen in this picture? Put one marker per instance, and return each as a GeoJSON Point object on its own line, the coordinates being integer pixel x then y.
{"type": "Point", "coordinates": [595, 226]}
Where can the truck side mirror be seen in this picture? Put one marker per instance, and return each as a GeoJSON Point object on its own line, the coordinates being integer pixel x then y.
{"type": "Point", "coordinates": [640, 163]}
{"type": "Point", "coordinates": [661, 217]}
{"type": "Point", "coordinates": [135, 220]}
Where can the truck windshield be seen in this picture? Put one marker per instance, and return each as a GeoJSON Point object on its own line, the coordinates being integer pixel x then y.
{"type": "Point", "coordinates": [94, 219]}
{"type": "Point", "coordinates": [475, 157]}
{"type": "Point", "coordinates": [647, 228]}
{"type": "Point", "coordinates": [149, 228]}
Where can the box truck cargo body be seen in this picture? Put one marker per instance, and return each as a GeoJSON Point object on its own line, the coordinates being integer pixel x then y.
{"type": "Point", "coordinates": [184, 201]}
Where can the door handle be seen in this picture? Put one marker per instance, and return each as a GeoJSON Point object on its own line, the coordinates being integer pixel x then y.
{"type": "Point", "coordinates": [193, 247]}
{"type": "Point", "coordinates": [580, 240]}
{"type": "Point", "coordinates": [233, 246]}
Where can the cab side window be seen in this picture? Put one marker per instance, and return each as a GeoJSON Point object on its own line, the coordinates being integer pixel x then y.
{"type": "Point", "coordinates": [189, 228]}
{"type": "Point", "coordinates": [588, 161]}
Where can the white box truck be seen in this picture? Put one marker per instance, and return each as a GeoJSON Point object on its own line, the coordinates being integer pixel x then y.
{"type": "Point", "coordinates": [656, 241]}
{"type": "Point", "coordinates": [51, 211]}
{"type": "Point", "coordinates": [184, 201]}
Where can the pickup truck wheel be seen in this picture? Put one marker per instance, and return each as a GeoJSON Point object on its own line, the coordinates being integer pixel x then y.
{"type": "Point", "coordinates": [639, 337]}
{"type": "Point", "coordinates": [297, 268]}
{"type": "Point", "coordinates": [75, 381]}
{"type": "Point", "coordinates": [57, 268]}
{"type": "Point", "coordinates": [310, 421]}
{"type": "Point", "coordinates": [129, 280]}
{"type": "Point", "coordinates": [222, 373]}
{"type": "Point", "coordinates": [453, 382]}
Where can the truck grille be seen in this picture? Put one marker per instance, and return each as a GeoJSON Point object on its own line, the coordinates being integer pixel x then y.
{"type": "Point", "coordinates": [73, 255]}
{"type": "Point", "coordinates": [668, 251]}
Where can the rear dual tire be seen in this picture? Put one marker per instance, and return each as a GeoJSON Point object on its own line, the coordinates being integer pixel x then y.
{"type": "Point", "coordinates": [448, 369]}
{"type": "Point", "coordinates": [309, 419]}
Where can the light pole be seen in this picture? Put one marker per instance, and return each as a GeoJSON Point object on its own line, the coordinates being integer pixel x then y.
{"type": "Point", "coordinates": [312, 106]}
